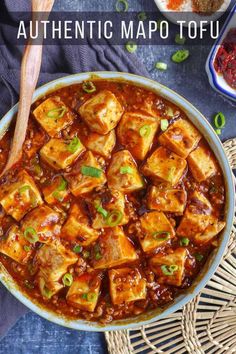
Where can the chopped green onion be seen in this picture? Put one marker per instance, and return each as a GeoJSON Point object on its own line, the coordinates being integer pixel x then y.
{"type": "Point", "coordinates": [77, 248]}
{"type": "Point", "coordinates": [180, 56]}
{"type": "Point", "coordinates": [164, 124]}
{"type": "Point", "coordinates": [179, 40]}
{"type": "Point", "coordinates": [161, 235]}
{"type": "Point", "coordinates": [91, 171]}
{"type": "Point", "coordinates": [102, 211]}
{"type": "Point", "coordinates": [91, 297]}
{"type": "Point", "coordinates": [114, 218]}
{"type": "Point", "coordinates": [44, 290]}
{"type": "Point", "coordinates": [145, 131]}
{"type": "Point", "coordinates": [63, 185]}
{"type": "Point", "coordinates": [199, 257]}
{"type": "Point", "coordinates": [184, 241]}
{"type": "Point", "coordinates": [57, 112]}
{"type": "Point", "coordinates": [86, 254]}
{"type": "Point", "coordinates": [67, 279]}
{"type": "Point", "coordinates": [122, 6]}
{"type": "Point", "coordinates": [84, 296]}
{"type": "Point", "coordinates": [142, 16]}
{"type": "Point", "coordinates": [58, 196]}
{"type": "Point", "coordinates": [31, 235]}
{"type": "Point", "coordinates": [126, 170]}
{"type": "Point", "coordinates": [169, 270]}
{"type": "Point", "coordinates": [97, 251]}
{"type": "Point", "coordinates": [27, 248]}
{"type": "Point", "coordinates": [89, 87]}
{"type": "Point", "coordinates": [218, 131]}
{"type": "Point", "coordinates": [24, 189]}
{"type": "Point", "coordinates": [74, 145]}
{"type": "Point", "coordinates": [161, 66]}
{"type": "Point", "coordinates": [131, 47]}
{"type": "Point", "coordinates": [219, 120]}
{"type": "Point", "coordinates": [169, 111]}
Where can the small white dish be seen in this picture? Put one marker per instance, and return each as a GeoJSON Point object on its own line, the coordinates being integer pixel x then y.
{"type": "Point", "coordinates": [185, 12]}
{"type": "Point", "coordinates": [217, 80]}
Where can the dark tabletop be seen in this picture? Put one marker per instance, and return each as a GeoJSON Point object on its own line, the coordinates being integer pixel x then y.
{"type": "Point", "coordinates": [33, 334]}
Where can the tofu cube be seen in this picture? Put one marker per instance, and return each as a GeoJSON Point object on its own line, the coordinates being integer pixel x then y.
{"type": "Point", "coordinates": [81, 182]}
{"type": "Point", "coordinates": [44, 221]}
{"type": "Point", "coordinates": [84, 292]}
{"type": "Point", "coordinates": [122, 173]}
{"type": "Point", "coordinates": [60, 154]}
{"type": "Point", "coordinates": [181, 137]}
{"type": "Point", "coordinates": [101, 144]}
{"type": "Point", "coordinates": [167, 200]}
{"type": "Point", "coordinates": [156, 231]}
{"type": "Point", "coordinates": [164, 166]}
{"type": "Point", "coordinates": [19, 197]}
{"type": "Point", "coordinates": [136, 132]}
{"type": "Point", "coordinates": [169, 267]}
{"type": "Point", "coordinates": [77, 227]}
{"type": "Point", "coordinates": [57, 191]}
{"type": "Point", "coordinates": [112, 201]}
{"type": "Point", "coordinates": [126, 284]}
{"type": "Point", "coordinates": [197, 216]}
{"type": "Point", "coordinates": [101, 112]}
{"type": "Point", "coordinates": [212, 230]}
{"type": "Point", "coordinates": [201, 163]}
{"type": "Point", "coordinates": [53, 115]}
{"type": "Point", "coordinates": [52, 261]}
{"type": "Point", "coordinates": [113, 249]}
{"type": "Point", "coordinates": [15, 245]}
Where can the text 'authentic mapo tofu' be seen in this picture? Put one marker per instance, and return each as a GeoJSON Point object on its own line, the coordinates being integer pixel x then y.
{"type": "Point", "coordinates": [115, 206]}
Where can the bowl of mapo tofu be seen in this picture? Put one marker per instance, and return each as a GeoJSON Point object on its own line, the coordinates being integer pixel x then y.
{"type": "Point", "coordinates": [121, 206]}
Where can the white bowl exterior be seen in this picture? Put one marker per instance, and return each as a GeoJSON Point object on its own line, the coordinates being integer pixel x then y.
{"type": "Point", "coordinates": [196, 117]}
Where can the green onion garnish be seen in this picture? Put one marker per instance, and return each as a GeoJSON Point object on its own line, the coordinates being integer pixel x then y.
{"type": "Point", "coordinates": [161, 235]}
{"type": "Point", "coordinates": [122, 6]}
{"type": "Point", "coordinates": [77, 249]}
{"type": "Point", "coordinates": [57, 112]}
{"type": "Point", "coordinates": [88, 86]}
{"type": "Point", "coordinates": [184, 241]}
{"type": "Point", "coordinates": [23, 189]}
{"type": "Point", "coordinates": [131, 47]}
{"type": "Point", "coordinates": [58, 196]}
{"type": "Point", "coordinates": [102, 211]}
{"type": "Point", "coordinates": [161, 66]}
{"type": "Point", "coordinates": [126, 170]}
{"type": "Point", "coordinates": [44, 290]}
{"type": "Point", "coordinates": [142, 16]}
{"type": "Point", "coordinates": [27, 248]}
{"type": "Point", "coordinates": [179, 40]}
{"type": "Point", "coordinates": [84, 296]}
{"type": "Point", "coordinates": [180, 56]}
{"type": "Point", "coordinates": [199, 257]}
{"type": "Point", "coordinates": [164, 124]}
{"type": "Point", "coordinates": [91, 171]}
{"type": "Point", "coordinates": [67, 279]}
{"type": "Point", "coordinates": [31, 235]}
{"type": "Point", "coordinates": [169, 270]}
{"type": "Point", "coordinates": [114, 218]}
{"type": "Point", "coordinates": [219, 120]}
{"type": "Point", "coordinates": [218, 131]}
{"type": "Point", "coordinates": [144, 131]}
{"type": "Point", "coordinates": [63, 185]}
{"type": "Point", "coordinates": [74, 145]}
{"type": "Point", "coordinates": [97, 251]}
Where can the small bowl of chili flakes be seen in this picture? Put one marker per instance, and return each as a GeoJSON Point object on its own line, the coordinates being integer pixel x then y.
{"type": "Point", "coordinates": [221, 62]}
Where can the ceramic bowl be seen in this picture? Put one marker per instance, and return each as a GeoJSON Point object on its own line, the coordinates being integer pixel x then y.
{"type": "Point", "coordinates": [207, 131]}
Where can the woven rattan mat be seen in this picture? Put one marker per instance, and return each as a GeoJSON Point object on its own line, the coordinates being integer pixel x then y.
{"type": "Point", "coordinates": [205, 325]}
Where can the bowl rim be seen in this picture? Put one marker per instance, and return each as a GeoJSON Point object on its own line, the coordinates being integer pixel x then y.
{"type": "Point", "coordinates": [212, 74]}
{"type": "Point", "coordinates": [214, 141]}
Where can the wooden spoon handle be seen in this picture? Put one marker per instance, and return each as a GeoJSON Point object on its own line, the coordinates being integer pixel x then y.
{"type": "Point", "coordinates": [30, 68]}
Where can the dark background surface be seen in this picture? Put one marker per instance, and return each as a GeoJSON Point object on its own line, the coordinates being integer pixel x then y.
{"type": "Point", "coordinates": [33, 334]}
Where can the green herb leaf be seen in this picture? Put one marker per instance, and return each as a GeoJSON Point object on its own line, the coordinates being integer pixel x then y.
{"type": "Point", "coordinates": [180, 55]}
{"type": "Point", "coordinates": [184, 241]}
{"type": "Point", "coordinates": [77, 249]}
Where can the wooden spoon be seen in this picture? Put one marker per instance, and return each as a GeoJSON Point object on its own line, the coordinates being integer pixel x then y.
{"type": "Point", "coordinates": [30, 68]}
